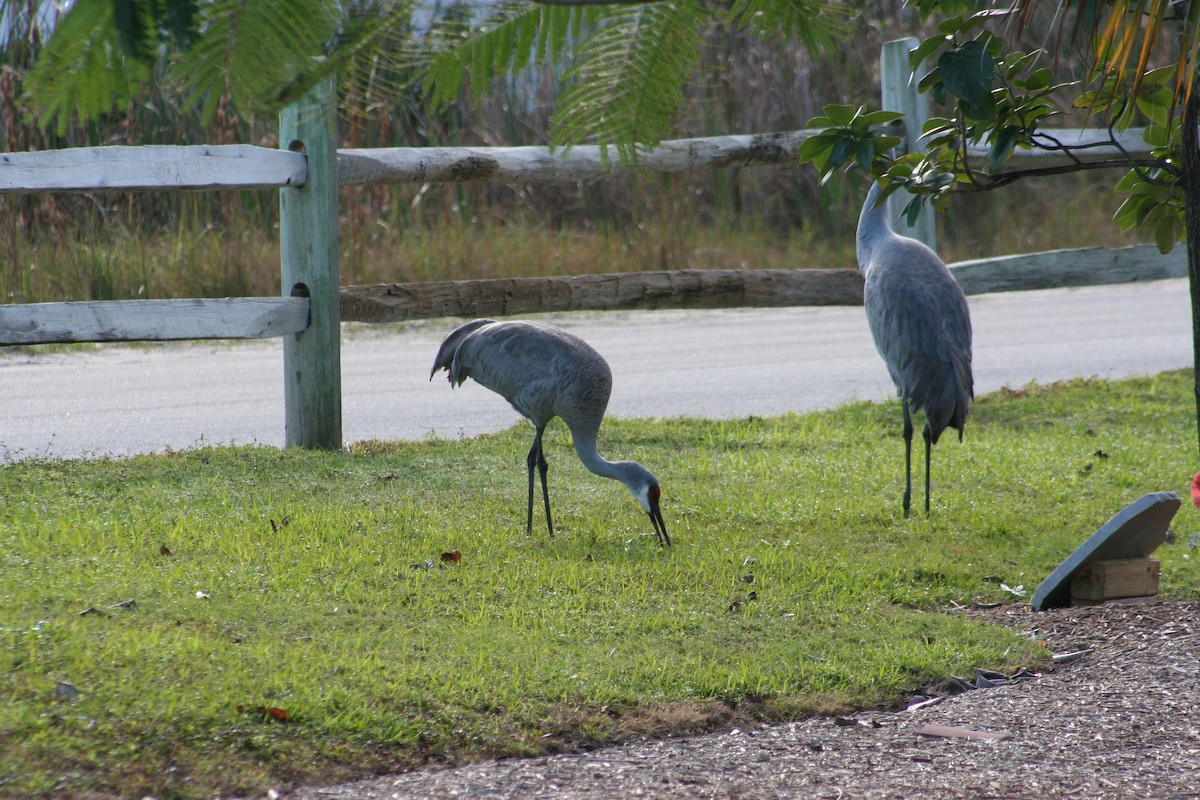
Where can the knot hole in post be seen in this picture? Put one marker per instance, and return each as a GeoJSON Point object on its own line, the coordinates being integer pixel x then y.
{"type": "Point", "coordinates": [301, 290]}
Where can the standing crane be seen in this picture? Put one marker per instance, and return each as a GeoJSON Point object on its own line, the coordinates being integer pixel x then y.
{"type": "Point", "coordinates": [545, 372]}
{"type": "Point", "coordinates": [918, 316]}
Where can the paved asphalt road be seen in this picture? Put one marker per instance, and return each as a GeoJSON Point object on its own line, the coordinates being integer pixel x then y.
{"type": "Point", "coordinates": [125, 399]}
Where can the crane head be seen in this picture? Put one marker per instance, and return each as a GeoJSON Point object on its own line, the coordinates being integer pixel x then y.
{"type": "Point", "coordinates": [648, 495]}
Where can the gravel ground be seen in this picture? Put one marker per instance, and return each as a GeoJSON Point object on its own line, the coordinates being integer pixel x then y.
{"type": "Point", "coordinates": [1121, 721]}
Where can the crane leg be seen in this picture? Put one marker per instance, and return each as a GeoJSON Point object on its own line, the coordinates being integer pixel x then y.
{"type": "Point", "coordinates": [537, 458]}
{"type": "Point", "coordinates": [928, 449]}
{"type": "Point", "coordinates": [542, 467]}
{"type": "Point", "coordinates": [908, 434]}
{"type": "Point", "coordinates": [530, 461]}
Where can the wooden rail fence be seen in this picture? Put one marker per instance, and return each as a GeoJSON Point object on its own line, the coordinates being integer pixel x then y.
{"type": "Point", "coordinates": [307, 169]}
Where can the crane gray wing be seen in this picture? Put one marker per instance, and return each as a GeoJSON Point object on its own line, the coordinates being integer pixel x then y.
{"type": "Point", "coordinates": [922, 329]}
{"type": "Point", "coordinates": [541, 370]}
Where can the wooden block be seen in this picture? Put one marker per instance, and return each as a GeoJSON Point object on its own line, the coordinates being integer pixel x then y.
{"type": "Point", "coordinates": [1135, 531]}
{"type": "Point", "coordinates": [1097, 581]}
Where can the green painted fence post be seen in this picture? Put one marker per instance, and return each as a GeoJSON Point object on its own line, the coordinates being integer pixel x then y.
{"type": "Point", "coordinates": [308, 238]}
{"type": "Point", "coordinates": [898, 85]}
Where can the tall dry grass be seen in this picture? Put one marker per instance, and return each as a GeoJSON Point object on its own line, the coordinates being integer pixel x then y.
{"type": "Point", "coordinates": [172, 244]}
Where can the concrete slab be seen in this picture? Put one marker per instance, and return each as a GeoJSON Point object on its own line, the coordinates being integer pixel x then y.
{"type": "Point", "coordinates": [1135, 531]}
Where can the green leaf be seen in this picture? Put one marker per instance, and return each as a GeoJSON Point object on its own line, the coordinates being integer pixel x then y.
{"type": "Point", "coordinates": [912, 211]}
{"type": "Point", "coordinates": [841, 115]}
{"type": "Point", "coordinates": [842, 149]}
{"type": "Point", "coordinates": [1039, 80]}
{"type": "Point", "coordinates": [874, 118]}
{"type": "Point", "coordinates": [1156, 106]}
{"type": "Point", "coordinates": [1015, 63]}
{"type": "Point", "coordinates": [1128, 181]}
{"type": "Point", "coordinates": [1167, 231]}
{"type": "Point", "coordinates": [864, 154]}
{"type": "Point", "coordinates": [1156, 136]}
{"type": "Point", "coordinates": [967, 72]}
{"type": "Point", "coordinates": [918, 54]}
{"type": "Point", "coordinates": [1003, 142]}
{"type": "Point", "coordinates": [813, 147]}
{"type": "Point", "coordinates": [885, 142]}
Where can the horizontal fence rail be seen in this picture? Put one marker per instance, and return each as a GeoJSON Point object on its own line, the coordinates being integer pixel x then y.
{"type": "Point", "coordinates": [545, 165]}
{"type": "Point", "coordinates": [98, 169]}
{"type": "Point", "coordinates": [689, 288]}
{"type": "Point", "coordinates": [1087, 146]}
{"type": "Point", "coordinates": [745, 288]}
{"type": "Point", "coordinates": [153, 320]}
{"type": "Point", "coordinates": [203, 167]}
{"type": "Point", "coordinates": [1056, 269]}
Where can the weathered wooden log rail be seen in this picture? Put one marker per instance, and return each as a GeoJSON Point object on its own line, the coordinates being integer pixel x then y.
{"type": "Point", "coordinates": [690, 288]}
{"type": "Point", "coordinates": [743, 288]}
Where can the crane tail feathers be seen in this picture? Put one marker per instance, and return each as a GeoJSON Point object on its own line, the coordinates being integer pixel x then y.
{"type": "Point", "coordinates": [447, 354]}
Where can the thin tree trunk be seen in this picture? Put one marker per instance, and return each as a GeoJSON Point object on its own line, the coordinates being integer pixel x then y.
{"type": "Point", "coordinates": [1191, 207]}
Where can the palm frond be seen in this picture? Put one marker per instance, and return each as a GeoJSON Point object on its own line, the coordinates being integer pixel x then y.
{"type": "Point", "coordinates": [257, 52]}
{"type": "Point", "coordinates": [82, 72]}
{"type": "Point", "coordinates": [516, 35]}
{"type": "Point", "coordinates": [814, 23]}
{"type": "Point", "coordinates": [626, 84]}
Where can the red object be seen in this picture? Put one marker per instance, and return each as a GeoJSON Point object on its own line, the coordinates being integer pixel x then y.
{"type": "Point", "coordinates": [1196, 490]}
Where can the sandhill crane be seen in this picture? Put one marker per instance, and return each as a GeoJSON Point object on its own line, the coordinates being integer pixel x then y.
{"type": "Point", "coordinates": [918, 316]}
{"type": "Point", "coordinates": [545, 372]}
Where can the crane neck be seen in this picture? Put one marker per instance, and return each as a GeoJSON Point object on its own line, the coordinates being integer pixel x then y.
{"type": "Point", "coordinates": [873, 226]}
{"type": "Point", "coordinates": [585, 448]}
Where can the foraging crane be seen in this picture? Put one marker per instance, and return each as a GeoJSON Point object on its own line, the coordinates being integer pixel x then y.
{"type": "Point", "coordinates": [918, 316]}
{"type": "Point", "coordinates": [545, 372]}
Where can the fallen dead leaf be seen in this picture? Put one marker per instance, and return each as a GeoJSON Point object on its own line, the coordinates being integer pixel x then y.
{"type": "Point", "coordinates": [952, 732]}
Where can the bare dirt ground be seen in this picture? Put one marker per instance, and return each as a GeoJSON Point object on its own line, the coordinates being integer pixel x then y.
{"type": "Point", "coordinates": [1122, 721]}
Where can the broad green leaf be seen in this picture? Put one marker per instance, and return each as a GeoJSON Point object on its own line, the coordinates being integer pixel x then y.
{"type": "Point", "coordinates": [812, 147]}
{"type": "Point", "coordinates": [1039, 80]}
{"type": "Point", "coordinates": [874, 118]}
{"type": "Point", "coordinates": [884, 142]}
{"type": "Point", "coordinates": [918, 54]}
{"type": "Point", "coordinates": [1128, 181]}
{"type": "Point", "coordinates": [1156, 136]}
{"type": "Point", "coordinates": [967, 72]}
{"type": "Point", "coordinates": [864, 154]}
{"type": "Point", "coordinates": [1003, 142]}
{"type": "Point", "coordinates": [842, 149]}
{"type": "Point", "coordinates": [1015, 63]}
{"type": "Point", "coordinates": [841, 115]}
{"type": "Point", "coordinates": [1167, 231]}
{"type": "Point", "coordinates": [912, 211]}
{"type": "Point", "coordinates": [1156, 106]}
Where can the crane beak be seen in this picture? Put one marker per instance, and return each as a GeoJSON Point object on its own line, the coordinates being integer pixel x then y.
{"type": "Point", "coordinates": [660, 527]}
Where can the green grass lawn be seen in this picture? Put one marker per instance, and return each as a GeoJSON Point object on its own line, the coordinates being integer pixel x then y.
{"type": "Point", "coordinates": [314, 584]}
